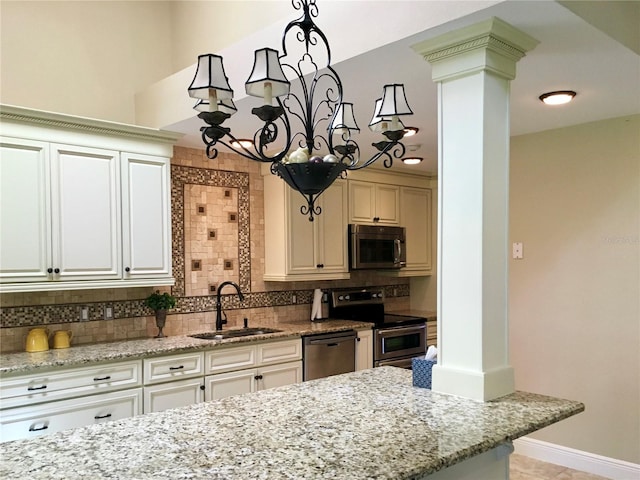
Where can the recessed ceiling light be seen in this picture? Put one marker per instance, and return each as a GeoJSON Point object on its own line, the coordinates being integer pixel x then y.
{"type": "Point", "coordinates": [410, 131]}
{"type": "Point", "coordinates": [242, 142]}
{"type": "Point", "coordinates": [412, 160]}
{"type": "Point", "coordinates": [557, 98]}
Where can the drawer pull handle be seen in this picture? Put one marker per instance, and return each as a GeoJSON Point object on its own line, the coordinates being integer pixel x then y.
{"type": "Point", "coordinates": [177, 368]}
{"type": "Point", "coordinates": [34, 429]}
{"type": "Point", "coordinates": [102, 379]}
{"type": "Point", "coordinates": [100, 417]}
{"type": "Point", "coordinates": [31, 389]}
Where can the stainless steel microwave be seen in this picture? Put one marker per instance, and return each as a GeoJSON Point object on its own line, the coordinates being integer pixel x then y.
{"type": "Point", "coordinates": [376, 247]}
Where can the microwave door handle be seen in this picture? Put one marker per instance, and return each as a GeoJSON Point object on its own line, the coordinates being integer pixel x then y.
{"type": "Point", "coordinates": [398, 246]}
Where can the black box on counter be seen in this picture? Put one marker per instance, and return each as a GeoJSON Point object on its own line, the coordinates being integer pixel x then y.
{"type": "Point", "coordinates": [421, 369]}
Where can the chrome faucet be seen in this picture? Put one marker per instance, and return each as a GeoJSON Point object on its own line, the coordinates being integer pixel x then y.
{"type": "Point", "coordinates": [219, 321]}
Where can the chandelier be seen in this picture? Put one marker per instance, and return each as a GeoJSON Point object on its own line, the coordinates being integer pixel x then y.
{"type": "Point", "coordinates": [322, 149]}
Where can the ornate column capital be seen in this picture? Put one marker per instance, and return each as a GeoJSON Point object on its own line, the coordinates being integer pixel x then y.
{"type": "Point", "coordinates": [492, 45]}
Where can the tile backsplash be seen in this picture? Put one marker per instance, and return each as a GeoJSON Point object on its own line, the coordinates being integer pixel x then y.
{"type": "Point", "coordinates": [218, 235]}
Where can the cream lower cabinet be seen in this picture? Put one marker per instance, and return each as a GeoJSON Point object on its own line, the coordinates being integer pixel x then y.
{"type": "Point", "coordinates": [252, 380]}
{"type": "Point", "coordinates": [364, 350]}
{"type": "Point", "coordinates": [297, 249]}
{"type": "Point", "coordinates": [237, 370]}
{"type": "Point", "coordinates": [172, 381]}
{"type": "Point", "coordinates": [51, 417]}
{"type": "Point", "coordinates": [41, 403]}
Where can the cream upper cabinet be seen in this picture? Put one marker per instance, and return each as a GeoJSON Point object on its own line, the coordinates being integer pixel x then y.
{"type": "Point", "coordinates": [297, 249]}
{"type": "Point", "coordinates": [146, 216]}
{"type": "Point", "coordinates": [416, 218]}
{"type": "Point", "coordinates": [85, 213]}
{"type": "Point", "coordinates": [85, 203]}
{"type": "Point", "coordinates": [373, 203]}
{"type": "Point", "coordinates": [25, 220]}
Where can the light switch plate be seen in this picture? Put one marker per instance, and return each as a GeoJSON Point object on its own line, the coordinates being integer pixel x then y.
{"type": "Point", "coordinates": [517, 250]}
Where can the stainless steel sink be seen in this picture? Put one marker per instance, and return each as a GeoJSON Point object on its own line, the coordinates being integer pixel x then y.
{"type": "Point", "coordinates": [244, 332]}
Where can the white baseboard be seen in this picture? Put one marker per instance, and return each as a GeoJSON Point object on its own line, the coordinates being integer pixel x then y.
{"type": "Point", "coordinates": [577, 459]}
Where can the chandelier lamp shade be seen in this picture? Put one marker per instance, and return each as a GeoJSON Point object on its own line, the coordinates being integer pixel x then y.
{"type": "Point", "coordinates": [307, 129]}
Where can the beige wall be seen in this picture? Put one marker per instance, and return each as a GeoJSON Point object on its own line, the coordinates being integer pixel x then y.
{"type": "Point", "coordinates": [82, 58]}
{"type": "Point", "coordinates": [574, 298]}
{"type": "Point", "coordinates": [209, 26]}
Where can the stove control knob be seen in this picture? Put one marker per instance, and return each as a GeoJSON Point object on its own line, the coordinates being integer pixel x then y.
{"type": "Point", "coordinates": [340, 297]}
{"type": "Point", "coordinates": [346, 297]}
{"type": "Point", "coordinates": [374, 295]}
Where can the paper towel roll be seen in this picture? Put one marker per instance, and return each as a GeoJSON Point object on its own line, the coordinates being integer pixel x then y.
{"type": "Point", "coordinates": [316, 308]}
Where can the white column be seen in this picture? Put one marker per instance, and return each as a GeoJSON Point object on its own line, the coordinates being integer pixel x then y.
{"type": "Point", "coordinates": [473, 67]}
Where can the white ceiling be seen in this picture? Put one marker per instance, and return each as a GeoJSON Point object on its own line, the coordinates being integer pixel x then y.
{"type": "Point", "coordinates": [572, 55]}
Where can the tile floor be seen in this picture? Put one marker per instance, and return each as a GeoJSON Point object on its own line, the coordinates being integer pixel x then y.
{"type": "Point", "coordinates": [526, 468]}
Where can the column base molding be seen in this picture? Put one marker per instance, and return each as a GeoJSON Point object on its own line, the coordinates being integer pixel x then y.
{"type": "Point", "coordinates": [483, 386]}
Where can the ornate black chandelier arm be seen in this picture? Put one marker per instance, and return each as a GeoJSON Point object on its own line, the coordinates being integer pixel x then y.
{"type": "Point", "coordinates": [387, 150]}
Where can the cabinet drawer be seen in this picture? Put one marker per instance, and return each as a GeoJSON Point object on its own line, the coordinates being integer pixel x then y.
{"type": "Point", "coordinates": [60, 384]}
{"type": "Point", "coordinates": [164, 369]}
{"type": "Point", "coordinates": [228, 359]}
{"type": "Point", "coordinates": [30, 422]}
{"type": "Point", "coordinates": [278, 352]}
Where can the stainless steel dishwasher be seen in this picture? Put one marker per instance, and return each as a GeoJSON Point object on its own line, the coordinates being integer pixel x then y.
{"type": "Point", "coordinates": [328, 354]}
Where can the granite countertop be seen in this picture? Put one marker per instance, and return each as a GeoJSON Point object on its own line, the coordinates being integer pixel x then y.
{"type": "Point", "coordinates": [24, 363]}
{"type": "Point", "coordinates": [362, 425]}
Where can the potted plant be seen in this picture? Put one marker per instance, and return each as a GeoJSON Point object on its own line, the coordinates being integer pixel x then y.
{"type": "Point", "coordinates": [160, 303]}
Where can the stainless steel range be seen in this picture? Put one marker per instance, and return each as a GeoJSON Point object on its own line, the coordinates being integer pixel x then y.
{"type": "Point", "coordinates": [396, 338]}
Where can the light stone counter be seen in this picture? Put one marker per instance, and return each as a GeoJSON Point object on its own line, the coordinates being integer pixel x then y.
{"type": "Point", "coordinates": [371, 424]}
{"type": "Point", "coordinates": [25, 363]}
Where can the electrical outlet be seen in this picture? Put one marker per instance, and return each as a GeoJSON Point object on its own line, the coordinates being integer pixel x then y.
{"type": "Point", "coordinates": [84, 314]}
{"type": "Point", "coordinates": [517, 251]}
{"type": "Point", "coordinates": [108, 312]}
{"type": "Point", "coordinates": [294, 298]}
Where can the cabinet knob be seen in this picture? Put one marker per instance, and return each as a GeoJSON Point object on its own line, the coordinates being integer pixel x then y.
{"type": "Point", "coordinates": [49, 270]}
{"type": "Point", "coordinates": [358, 339]}
{"type": "Point", "coordinates": [56, 270]}
{"type": "Point", "coordinates": [202, 387]}
{"type": "Point", "coordinates": [127, 269]}
{"type": "Point", "coordinates": [320, 265]}
{"type": "Point", "coordinates": [258, 377]}
{"type": "Point", "coordinates": [376, 219]}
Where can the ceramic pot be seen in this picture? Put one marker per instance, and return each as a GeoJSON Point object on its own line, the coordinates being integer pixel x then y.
{"type": "Point", "coordinates": [37, 340]}
{"type": "Point", "coordinates": [62, 338]}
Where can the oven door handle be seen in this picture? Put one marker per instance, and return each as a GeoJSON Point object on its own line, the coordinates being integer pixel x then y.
{"type": "Point", "coordinates": [401, 330]}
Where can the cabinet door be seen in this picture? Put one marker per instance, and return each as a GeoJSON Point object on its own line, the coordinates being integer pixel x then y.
{"type": "Point", "coordinates": [25, 215]}
{"type": "Point", "coordinates": [332, 229]}
{"type": "Point", "coordinates": [319, 247]}
{"type": "Point", "coordinates": [232, 383]}
{"type": "Point", "coordinates": [362, 202]}
{"type": "Point", "coordinates": [302, 244]}
{"type": "Point", "coordinates": [85, 213]}
{"type": "Point", "coordinates": [146, 227]}
{"type": "Point", "coordinates": [387, 205]}
{"type": "Point", "coordinates": [279, 375]}
{"type": "Point", "coordinates": [364, 350]}
{"type": "Point", "coordinates": [416, 218]}
{"type": "Point", "coordinates": [172, 395]}
{"type": "Point", "coordinates": [30, 422]}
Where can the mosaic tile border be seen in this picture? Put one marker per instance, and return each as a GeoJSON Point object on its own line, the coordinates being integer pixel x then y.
{"type": "Point", "coordinates": [26, 316]}
{"type": "Point", "coordinates": [182, 176]}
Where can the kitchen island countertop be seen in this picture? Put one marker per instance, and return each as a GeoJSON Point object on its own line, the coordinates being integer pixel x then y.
{"type": "Point", "coordinates": [362, 425]}
{"type": "Point", "coordinates": [24, 363]}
